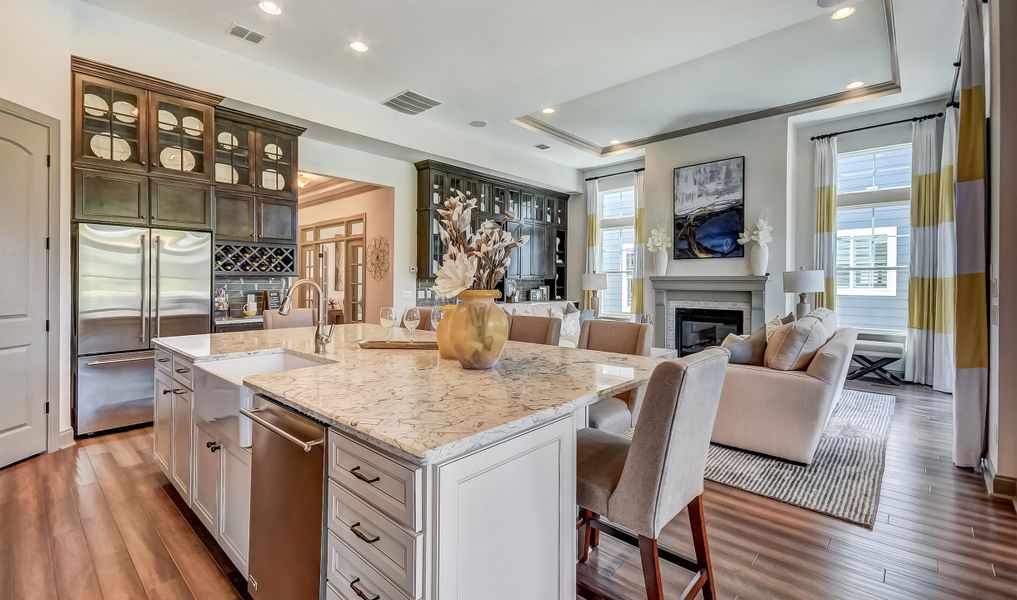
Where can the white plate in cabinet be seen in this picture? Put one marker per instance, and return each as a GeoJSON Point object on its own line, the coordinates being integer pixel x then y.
{"type": "Point", "coordinates": [183, 371]}
{"type": "Point", "coordinates": [386, 546]}
{"type": "Point", "coordinates": [348, 574]}
{"type": "Point", "coordinates": [393, 487]}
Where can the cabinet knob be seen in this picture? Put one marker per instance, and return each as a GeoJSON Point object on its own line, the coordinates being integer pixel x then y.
{"type": "Point", "coordinates": [213, 446]}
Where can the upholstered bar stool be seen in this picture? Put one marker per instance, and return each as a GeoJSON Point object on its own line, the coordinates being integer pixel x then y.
{"type": "Point", "coordinates": [535, 330]}
{"type": "Point", "coordinates": [616, 414]}
{"type": "Point", "coordinates": [425, 317]}
{"type": "Point", "coordinates": [640, 486]}
{"type": "Point", "coordinates": [298, 317]}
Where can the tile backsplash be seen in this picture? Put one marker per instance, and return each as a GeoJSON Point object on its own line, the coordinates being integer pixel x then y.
{"type": "Point", "coordinates": [237, 289]}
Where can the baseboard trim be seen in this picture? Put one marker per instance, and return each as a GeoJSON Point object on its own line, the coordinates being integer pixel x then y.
{"type": "Point", "coordinates": [64, 439]}
{"type": "Point", "coordinates": [999, 485]}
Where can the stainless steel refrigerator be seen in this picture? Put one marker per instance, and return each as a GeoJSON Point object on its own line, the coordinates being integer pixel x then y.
{"type": "Point", "coordinates": [133, 284]}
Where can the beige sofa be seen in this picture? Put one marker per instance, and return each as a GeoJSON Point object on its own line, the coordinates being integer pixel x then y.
{"type": "Point", "coordinates": [783, 413]}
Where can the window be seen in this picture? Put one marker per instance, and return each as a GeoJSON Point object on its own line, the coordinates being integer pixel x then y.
{"type": "Point", "coordinates": [617, 249]}
{"type": "Point", "coordinates": [876, 169]}
{"type": "Point", "coordinates": [873, 254]}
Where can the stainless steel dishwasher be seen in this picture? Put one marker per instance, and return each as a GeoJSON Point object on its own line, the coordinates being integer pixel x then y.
{"type": "Point", "coordinates": [287, 503]}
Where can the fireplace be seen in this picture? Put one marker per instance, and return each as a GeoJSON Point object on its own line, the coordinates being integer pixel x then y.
{"type": "Point", "coordinates": [699, 328]}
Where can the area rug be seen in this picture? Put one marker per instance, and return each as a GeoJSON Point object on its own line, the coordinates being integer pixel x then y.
{"type": "Point", "coordinates": [844, 478]}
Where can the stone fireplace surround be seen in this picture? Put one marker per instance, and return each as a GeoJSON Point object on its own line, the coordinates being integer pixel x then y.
{"type": "Point", "coordinates": [731, 292]}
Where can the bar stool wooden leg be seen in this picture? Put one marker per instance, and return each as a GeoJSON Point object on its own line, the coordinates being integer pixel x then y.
{"type": "Point", "coordinates": [583, 535]}
{"type": "Point", "coordinates": [594, 533]}
{"type": "Point", "coordinates": [697, 519]}
{"type": "Point", "coordinates": [651, 568]}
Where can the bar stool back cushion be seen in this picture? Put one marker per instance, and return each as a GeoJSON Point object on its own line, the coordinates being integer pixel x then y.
{"type": "Point", "coordinates": [535, 330]}
{"type": "Point", "coordinates": [616, 415]}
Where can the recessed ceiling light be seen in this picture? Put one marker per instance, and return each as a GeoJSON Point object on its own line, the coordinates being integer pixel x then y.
{"type": "Point", "coordinates": [548, 111]}
{"type": "Point", "coordinates": [478, 123]}
{"type": "Point", "coordinates": [614, 142]}
{"type": "Point", "coordinates": [854, 85]}
{"type": "Point", "coordinates": [269, 7]}
{"type": "Point", "coordinates": [842, 13]}
{"type": "Point", "coordinates": [358, 46]}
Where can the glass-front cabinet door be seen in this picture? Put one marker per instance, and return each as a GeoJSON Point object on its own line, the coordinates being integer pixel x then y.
{"type": "Point", "coordinates": [276, 162]}
{"type": "Point", "coordinates": [181, 134]}
{"type": "Point", "coordinates": [233, 142]}
{"type": "Point", "coordinates": [109, 123]}
{"type": "Point", "coordinates": [357, 282]}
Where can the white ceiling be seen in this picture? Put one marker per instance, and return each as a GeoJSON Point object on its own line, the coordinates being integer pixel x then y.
{"type": "Point", "coordinates": [494, 61]}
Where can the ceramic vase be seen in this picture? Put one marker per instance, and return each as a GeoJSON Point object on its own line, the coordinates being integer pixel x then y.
{"type": "Point", "coordinates": [478, 329]}
{"type": "Point", "coordinates": [759, 256]}
{"type": "Point", "coordinates": [441, 332]}
{"type": "Point", "coordinates": [660, 263]}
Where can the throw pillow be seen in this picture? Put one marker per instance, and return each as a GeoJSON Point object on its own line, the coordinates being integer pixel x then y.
{"type": "Point", "coordinates": [828, 318]}
{"type": "Point", "coordinates": [772, 325]}
{"type": "Point", "coordinates": [792, 347]}
{"type": "Point", "coordinates": [747, 350]}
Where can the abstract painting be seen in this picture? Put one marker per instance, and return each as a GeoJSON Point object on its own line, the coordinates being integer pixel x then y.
{"type": "Point", "coordinates": [709, 209]}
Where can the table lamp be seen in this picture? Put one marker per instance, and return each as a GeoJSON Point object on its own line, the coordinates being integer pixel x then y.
{"type": "Point", "coordinates": [803, 282]}
{"type": "Point", "coordinates": [595, 282]}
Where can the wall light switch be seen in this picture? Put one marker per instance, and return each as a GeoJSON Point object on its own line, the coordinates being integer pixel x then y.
{"type": "Point", "coordinates": [994, 287]}
{"type": "Point", "coordinates": [407, 294]}
{"type": "Point", "coordinates": [995, 315]}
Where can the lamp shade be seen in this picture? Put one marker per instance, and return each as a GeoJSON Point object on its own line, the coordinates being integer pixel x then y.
{"type": "Point", "coordinates": [804, 282]}
{"type": "Point", "coordinates": [594, 281]}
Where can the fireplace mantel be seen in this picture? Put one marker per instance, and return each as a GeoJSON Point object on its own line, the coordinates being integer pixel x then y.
{"type": "Point", "coordinates": [749, 290]}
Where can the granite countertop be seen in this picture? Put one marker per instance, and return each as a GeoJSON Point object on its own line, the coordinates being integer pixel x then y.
{"type": "Point", "coordinates": [415, 404]}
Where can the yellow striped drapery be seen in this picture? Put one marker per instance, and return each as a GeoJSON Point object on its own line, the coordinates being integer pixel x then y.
{"type": "Point", "coordinates": [592, 236]}
{"type": "Point", "coordinates": [639, 274]}
{"type": "Point", "coordinates": [826, 219]}
{"type": "Point", "coordinates": [929, 359]}
{"type": "Point", "coordinates": [972, 330]}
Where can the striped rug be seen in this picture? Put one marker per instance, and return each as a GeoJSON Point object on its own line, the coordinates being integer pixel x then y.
{"type": "Point", "coordinates": [844, 477]}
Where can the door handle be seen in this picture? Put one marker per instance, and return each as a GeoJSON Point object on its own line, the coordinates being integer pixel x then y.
{"type": "Point", "coordinates": [179, 391]}
{"type": "Point", "coordinates": [141, 310]}
{"type": "Point", "coordinates": [354, 585]}
{"type": "Point", "coordinates": [117, 361]}
{"type": "Point", "coordinates": [355, 528]}
{"type": "Point", "coordinates": [251, 413]}
{"type": "Point", "coordinates": [213, 446]}
{"type": "Point", "coordinates": [158, 275]}
{"type": "Point", "coordinates": [356, 473]}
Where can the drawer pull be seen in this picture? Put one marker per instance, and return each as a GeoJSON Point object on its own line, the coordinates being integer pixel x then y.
{"type": "Point", "coordinates": [182, 370]}
{"type": "Point", "coordinates": [356, 473]}
{"type": "Point", "coordinates": [360, 592]}
{"type": "Point", "coordinates": [356, 531]}
{"type": "Point", "coordinates": [179, 391]}
{"type": "Point", "coordinates": [162, 360]}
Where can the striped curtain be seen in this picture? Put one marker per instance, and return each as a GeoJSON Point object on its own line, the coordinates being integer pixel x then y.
{"type": "Point", "coordinates": [929, 359]}
{"type": "Point", "coordinates": [639, 276]}
{"type": "Point", "coordinates": [592, 235]}
{"type": "Point", "coordinates": [826, 219]}
{"type": "Point", "coordinates": [972, 337]}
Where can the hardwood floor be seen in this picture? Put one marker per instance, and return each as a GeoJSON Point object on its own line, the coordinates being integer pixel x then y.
{"type": "Point", "coordinates": [97, 521]}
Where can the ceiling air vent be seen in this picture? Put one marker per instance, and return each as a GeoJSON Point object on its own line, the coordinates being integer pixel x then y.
{"type": "Point", "coordinates": [541, 146]}
{"type": "Point", "coordinates": [410, 103]}
{"type": "Point", "coordinates": [244, 33]}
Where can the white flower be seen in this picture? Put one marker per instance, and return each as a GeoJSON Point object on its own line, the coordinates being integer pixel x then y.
{"type": "Point", "coordinates": [658, 241]}
{"type": "Point", "coordinates": [455, 275]}
{"type": "Point", "coordinates": [762, 234]}
{"type": "Point", "coordinates": [744, 238]}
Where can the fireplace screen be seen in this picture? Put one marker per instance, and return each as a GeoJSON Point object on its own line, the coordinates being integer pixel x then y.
{"type": "Point", "coordinates": [697, 329]}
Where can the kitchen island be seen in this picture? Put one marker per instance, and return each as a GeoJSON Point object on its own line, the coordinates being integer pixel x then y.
{"type": "Point", "coordinates": [466, 478]}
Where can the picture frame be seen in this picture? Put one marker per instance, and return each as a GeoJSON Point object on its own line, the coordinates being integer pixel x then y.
{"type": "Point", "coordinates": [709, 209]}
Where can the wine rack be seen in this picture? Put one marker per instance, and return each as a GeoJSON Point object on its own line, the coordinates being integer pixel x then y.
{"type": "Point", "coordinates": [235, 259]}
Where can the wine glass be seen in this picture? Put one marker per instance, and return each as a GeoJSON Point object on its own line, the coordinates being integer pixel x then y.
{"type": "Point", "coordinates": [386, 319]}
{"type": "Point", "coordinates": [436, 315]}
{"type": "Point", "coordinates": [411, 320]}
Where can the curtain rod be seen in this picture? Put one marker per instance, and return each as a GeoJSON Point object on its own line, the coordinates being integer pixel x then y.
{"type": "Point", "coordinates": [613, 174]}
{"type": "Point", "coordinates": [911, 120]}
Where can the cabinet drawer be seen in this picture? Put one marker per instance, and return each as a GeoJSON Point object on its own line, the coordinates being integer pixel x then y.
{"type": "Point", "coordinates": [183, 371]}
{"type": "Point", "coordinates": [164, 361]}
{"type": "Point", "coordinates": [386, 546]}
{"type": "Point", "coordinates": [390, 486]}
{"type": "Point", "coordinates": [347, 573]}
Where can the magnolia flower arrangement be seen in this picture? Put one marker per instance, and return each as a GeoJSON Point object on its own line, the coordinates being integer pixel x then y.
{"type": "Point", "coordinates": [658, 241]}
{"type": "Point", "coordinates": [473, 260]}
{"type": "Point", "coordinates": [762, 234]}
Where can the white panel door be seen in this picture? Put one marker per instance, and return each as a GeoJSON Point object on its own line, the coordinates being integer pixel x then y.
{"type": "Point", "coordinates": [24, 223]}
{"type": "Point", "coordinates": [532, 554]}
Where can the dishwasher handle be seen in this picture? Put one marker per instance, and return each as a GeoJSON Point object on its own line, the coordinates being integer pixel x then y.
{"type": "Point", "coordinates": [251, 413]}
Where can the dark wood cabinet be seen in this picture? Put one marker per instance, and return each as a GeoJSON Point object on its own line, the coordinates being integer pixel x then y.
{"type": "Point", "coordinates": [234, 217]}
{"type": "Point", "coordinates": [276, 162]}
{"type": "Point", "coordinates": [110, 197]}
{"type": "Point", "coordinates": [540, 214]}
{"type": "Point", "coordinates": [180, 136]}
{"type": "Point", "coordinates": [276, 220]}
{"type": "Point", "coordinates": [110, 120]}
{"type": "Point", "coordinates": [232, 145]}
{"type": "Point", "coordinates": [180, 204]}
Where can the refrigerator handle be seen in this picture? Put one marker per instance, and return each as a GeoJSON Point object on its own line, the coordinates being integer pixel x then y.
{"type": "Point", "coordinates": [144, 323]}
{"type": "Point", "coordinates": [158, 256]}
